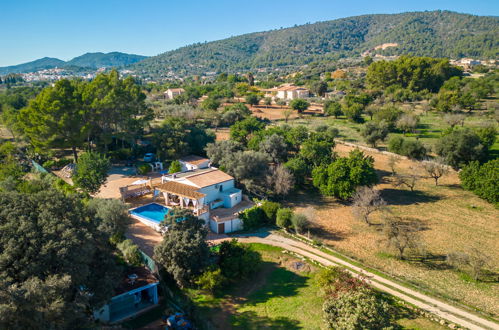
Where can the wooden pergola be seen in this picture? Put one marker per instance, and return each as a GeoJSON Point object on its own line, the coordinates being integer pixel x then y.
{"type": "Point", "coordinates": [185, 196]}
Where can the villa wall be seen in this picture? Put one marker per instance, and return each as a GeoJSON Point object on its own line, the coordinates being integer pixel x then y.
{"type": "Point", "coordinates": [230, 225]}
{"type": "Point", "coordinates": [213, 192]}
{"type": "Point", "coordinates": [188, 166]}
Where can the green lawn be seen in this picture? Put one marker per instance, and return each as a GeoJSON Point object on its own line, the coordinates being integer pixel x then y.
{"type": "Point", "coordinates": [278, 297]}
{"type": "Point", "coordinates": [287, 300]}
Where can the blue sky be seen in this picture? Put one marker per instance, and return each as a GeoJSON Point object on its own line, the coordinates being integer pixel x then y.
{"type": "Point", "coordinates": [32, 29]}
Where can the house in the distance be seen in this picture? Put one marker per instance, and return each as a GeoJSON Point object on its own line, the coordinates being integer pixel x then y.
{"type": "Point", "coordinates": [288, 92]}
{"type": "Point", "coordinates": [171, 93]}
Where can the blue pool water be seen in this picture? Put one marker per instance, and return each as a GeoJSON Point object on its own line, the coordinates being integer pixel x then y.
{"type": "Point", "coordinates": [152, 212]}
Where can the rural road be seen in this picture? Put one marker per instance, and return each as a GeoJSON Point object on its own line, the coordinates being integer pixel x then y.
{"type": "Point", "coordinates": [441, 309]}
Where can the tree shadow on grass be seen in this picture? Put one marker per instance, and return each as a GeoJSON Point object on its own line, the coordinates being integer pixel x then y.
{"type": "Point", "coordinates": [384, 176]}
{"type": "Point", "coordinates": [407, 197]}
{"type": "Point", "coordinates": [327, 234]}
{"type": "Point", "coordinates": [310, 196]}
{"type": "Point", "coordinates": [398, 310]}
{"type": "Point", "coordinates": [280, 282]}
{"type": "Point", "coordinates": [430, 261]}
{"type": "Point", "coordinates": [250, 320]}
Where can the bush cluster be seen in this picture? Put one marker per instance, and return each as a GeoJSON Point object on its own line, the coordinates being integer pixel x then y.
{"type": "Point", "coordinates": [411, 148]}
{"type": "Point", "coordinates": [483, 180]}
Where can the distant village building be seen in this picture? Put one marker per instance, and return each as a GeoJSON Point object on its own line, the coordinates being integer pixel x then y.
{"type": "Point", "coordinates": [288, 92]}
{"type": "Point", "coordinates": [334, 94]}
{"type": "Point", "coordinates": [171, 93]}
{"type": "Point", "coordinates": [470, 61]}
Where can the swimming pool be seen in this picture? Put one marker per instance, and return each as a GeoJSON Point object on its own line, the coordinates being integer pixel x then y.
{"type": "Point", "coordinates": [153, 212]}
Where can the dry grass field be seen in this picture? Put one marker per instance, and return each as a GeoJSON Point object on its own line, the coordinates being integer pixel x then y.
{"type": "Point", "coordinates": [454, 219]}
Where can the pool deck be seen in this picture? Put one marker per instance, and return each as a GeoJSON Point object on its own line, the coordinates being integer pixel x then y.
{"type": "Point", "coordinates": [144, 236]}
{"type": "Point", "coordinates": [147, 238]}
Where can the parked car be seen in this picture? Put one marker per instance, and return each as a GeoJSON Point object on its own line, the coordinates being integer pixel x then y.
{"type": "Point", "coordinates": [149, 157]}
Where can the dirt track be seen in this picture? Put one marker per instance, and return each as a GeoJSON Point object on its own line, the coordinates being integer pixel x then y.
{"type": "Point", "coordinates": [146, 238]}
{"type": "Point", "coordinates": [427, 303]}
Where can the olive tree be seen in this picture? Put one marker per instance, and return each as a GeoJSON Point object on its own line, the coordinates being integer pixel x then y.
{"type": "Point", "coordinates": [299, 105]}
{"type": "Point", "coordinates": [435, 169]}
{"type": "Point", "coordinates": [471, 260]}
{"type": "Point", "coordinates": [402, 234]}
{"type": "Point", "coordinates": [280, 180]}
{"type": "Point", "coordinates": [374, 132]}
{"type": "Point", "coordinates": [366, 200]}
{"type": "Point", "coordinates": [183, 252]}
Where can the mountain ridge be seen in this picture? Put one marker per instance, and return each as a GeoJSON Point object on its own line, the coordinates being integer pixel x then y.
{"type": "Point", "coordinates": [430, 33]}
{"type": "Point", "coordinates": [89, 60]}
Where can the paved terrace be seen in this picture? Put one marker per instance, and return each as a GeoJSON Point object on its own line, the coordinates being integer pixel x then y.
{"type": "Point", "coordinates": [147, 238]}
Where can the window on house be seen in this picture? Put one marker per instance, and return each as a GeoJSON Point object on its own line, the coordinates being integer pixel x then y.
{"type": "Point", "coordinates": [221, 188]}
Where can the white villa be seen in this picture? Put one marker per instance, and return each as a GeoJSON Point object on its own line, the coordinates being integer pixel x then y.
{"type": "Point", "coordinates": [171, 93]}
{"type": "Point", "coordinates": [209, 192]}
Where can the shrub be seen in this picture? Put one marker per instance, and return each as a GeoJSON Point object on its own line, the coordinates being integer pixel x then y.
{"type": "Point", "coordinates": [345, 174]}
{"type": "Point", "coordinates": [283, 218]}
{"type": "Point", "coordinates": [333, 280]}
{"type": "Point", "coordinates": [270, 209]}
{"type": "Point", "coordinates": [211, 279]}
{"type": "Point", "coordinates": [120, 154]}
{"type": "Point", "coordinates": [356, 309]}
{"type": "Point", "coordinates": [252, 218]}
{"type": "Point", "coordinates": [460, 147]}
{"type": "Point", "coordinates": [395, 144]}
{"type": "Point", "coordinates": [237, 260]}
{"type": "Point", "coordinates": [299, 105]}
{"type": "Point", "coordinates": [300, 222]}
{"type": "Point", "coordinates": [130, 252]}
{"type": "Point", "coordinates": [483, 180]}
{"type": "Point", "coordinates": [175, 167]}
{"type": "Point", "coordinates": [374, 132]}
{"type": "Point", "coordinates": [410, 148]}
{"type": "Point", "coordinates": [56, 164]}
{"type": "Point", "coordinates": [143, 169]}
{"type": "Point", "coordinates": [414, 149]}
{"type": "Point", "coordinates": [111, 216]}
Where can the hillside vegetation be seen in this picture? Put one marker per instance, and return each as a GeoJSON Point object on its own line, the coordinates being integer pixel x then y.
{"type": "Point", "coordinates": [435, 34]}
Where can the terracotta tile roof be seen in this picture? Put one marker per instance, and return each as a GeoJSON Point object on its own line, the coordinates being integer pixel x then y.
{"type": "Point", "coordinates": [285, 88]}
{"type": "Point", "coordinates": [209, 178]}
{"type": "Point", "coordinates": [180, 189]}
{"type": "Point", "coordinates": [175, 90]}
{"type": "Point", "coordinates": [193, 159]}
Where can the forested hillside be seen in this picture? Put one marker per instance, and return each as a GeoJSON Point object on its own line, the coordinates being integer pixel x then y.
{"type": "Point", "coordinates": [435, 34]}
{"type": "Point", "coordinates": [99, 60]}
